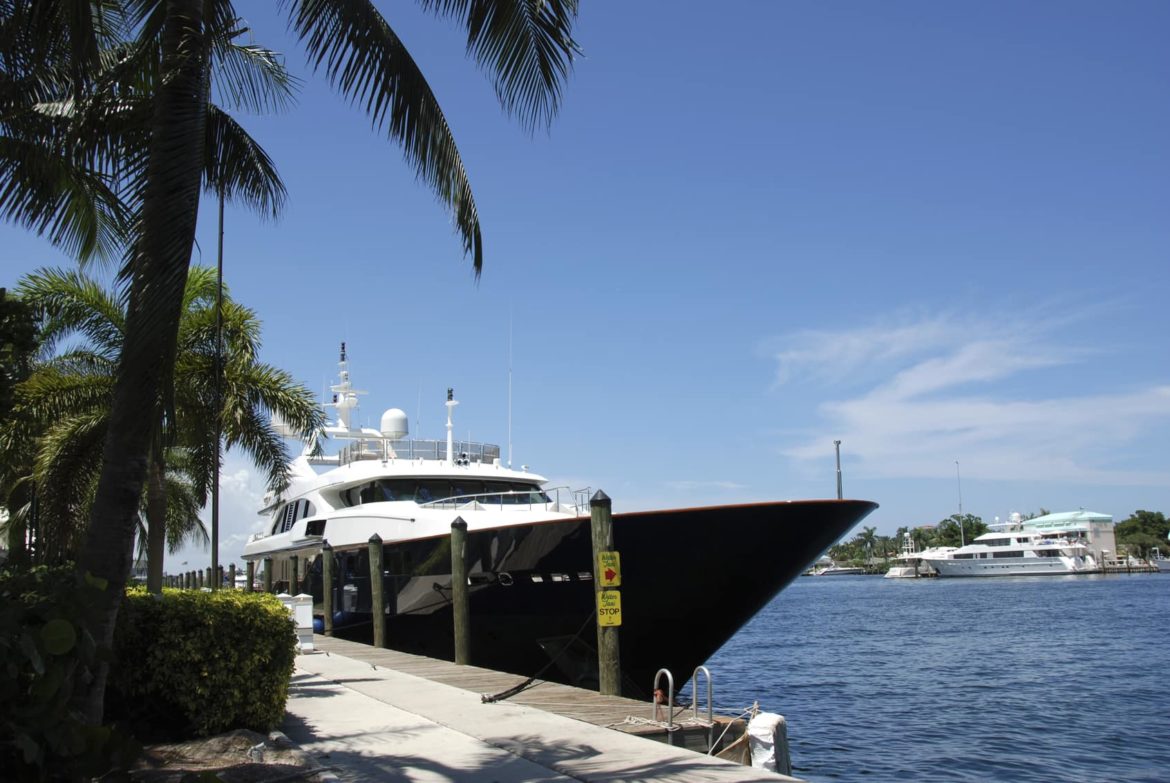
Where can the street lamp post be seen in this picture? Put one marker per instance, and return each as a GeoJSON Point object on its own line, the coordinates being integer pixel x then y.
{"type": "Point", "coordinates": [959, 482]}
{"type": "Point", "coordinates": [837, 446]}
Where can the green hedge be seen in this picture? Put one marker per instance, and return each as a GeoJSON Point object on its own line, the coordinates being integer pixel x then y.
{"type": "Point", "coordinates": [195, 664]}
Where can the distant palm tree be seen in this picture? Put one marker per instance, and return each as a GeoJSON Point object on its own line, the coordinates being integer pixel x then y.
{"type": "Point", "coordinates": [69, 396]}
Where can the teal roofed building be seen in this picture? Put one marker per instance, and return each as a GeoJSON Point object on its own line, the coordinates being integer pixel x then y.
{"type": "Point", "coordinates": [1094, 530]}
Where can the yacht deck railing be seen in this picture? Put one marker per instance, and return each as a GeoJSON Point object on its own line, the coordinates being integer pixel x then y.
{"type": "Point", "coordinates": [412, 449]}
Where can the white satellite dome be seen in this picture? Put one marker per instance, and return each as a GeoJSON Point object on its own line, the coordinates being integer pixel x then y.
{"type": "Point", "coordinates": [394, 424]}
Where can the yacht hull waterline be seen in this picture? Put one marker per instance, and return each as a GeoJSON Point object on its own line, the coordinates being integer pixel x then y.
{"type": "Point", "coordinates": [690, 579]}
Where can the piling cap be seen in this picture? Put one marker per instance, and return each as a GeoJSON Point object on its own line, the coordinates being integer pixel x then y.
{"type": "Point", "coordinates": [459, 523]}
{"type": "Point", "coordinates": [600, 498]}
{"type": "Point", "coordinates": [375, 539]}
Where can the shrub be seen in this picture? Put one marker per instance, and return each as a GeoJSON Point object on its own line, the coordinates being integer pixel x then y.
{"type": "Point", "coordinates": [195, 664]}
{"type": "Point", "coordinates": [45, 651]}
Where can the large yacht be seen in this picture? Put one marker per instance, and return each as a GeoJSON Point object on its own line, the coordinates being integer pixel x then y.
{"type": "Point", "coordinates": [1044, 545]}
{"type": "Point", "coordinates": [690, 578]}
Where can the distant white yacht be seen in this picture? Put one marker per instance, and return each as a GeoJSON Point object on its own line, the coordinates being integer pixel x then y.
{"type": "Point", "coordinates": [1067, 543]}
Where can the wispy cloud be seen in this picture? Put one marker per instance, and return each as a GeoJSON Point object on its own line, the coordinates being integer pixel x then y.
{"type": "Point", "coordinates": [912, 397]}
{"type": "Point", "coordinates": [701, 486]}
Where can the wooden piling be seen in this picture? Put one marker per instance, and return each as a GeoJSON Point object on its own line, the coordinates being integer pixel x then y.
{"type": "Point", "coordinates": [210, 582]}
{"type": "Point", "coordinates": [232, 577]}
{"type": "Point", "coordinates": [268, 574]}
{"type": "Point", "coordinates": [608, 652]}
{"type": "Point", "coordinates": [377, 595]}
{"type": "Point", "coordinates": [327, 584]}
{"type": "Point", "coordinates": [250, 575]}
{"type": "Point", "coordinates": [294, 584]}
{"type": "Point", "coordinates": [219, 578]}
{"type": "Point", "coordinates": [459, 592]}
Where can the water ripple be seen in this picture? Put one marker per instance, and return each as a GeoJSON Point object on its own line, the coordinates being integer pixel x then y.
{"type": "Point", "coordinates": [1007, 679]}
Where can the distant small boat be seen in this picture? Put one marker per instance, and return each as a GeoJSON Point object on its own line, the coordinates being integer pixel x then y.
{"type": "Point", "coordinates": [1160, 561]}
{"type": "Point", "coordinates": [826, 567]}
{"type": "Point", "coordinates": [913, 564]}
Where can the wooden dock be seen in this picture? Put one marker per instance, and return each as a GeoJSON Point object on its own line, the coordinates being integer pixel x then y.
{"type": "Point", "coordinates": [615, 712]}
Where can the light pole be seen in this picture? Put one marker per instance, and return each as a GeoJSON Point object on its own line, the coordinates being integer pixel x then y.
{"type": "Point", "coordinates": [959, 482]}
{"type": "Point", "coordinates": [218, 397]}
{"type": "Point", "coordinates": [837, 446]}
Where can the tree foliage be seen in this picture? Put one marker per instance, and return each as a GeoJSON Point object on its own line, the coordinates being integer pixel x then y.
{"type": "Point", "coordinates": [66, 399]}
{"type": "Point", "coordinates": [1143, 532]}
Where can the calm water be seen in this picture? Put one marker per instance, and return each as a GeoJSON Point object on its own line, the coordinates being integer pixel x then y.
{"type": "Point", "coordinates": [1006, 679]}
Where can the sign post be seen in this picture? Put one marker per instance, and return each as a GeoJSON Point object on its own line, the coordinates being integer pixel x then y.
{"type": "Point", "coordinates": [608, 600]}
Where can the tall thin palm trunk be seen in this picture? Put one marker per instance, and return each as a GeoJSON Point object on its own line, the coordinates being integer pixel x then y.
{"type": "Point", "coordinates": [163, 253]}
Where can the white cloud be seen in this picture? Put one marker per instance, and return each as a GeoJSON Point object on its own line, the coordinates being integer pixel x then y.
{"type": "Point", "coordinates": [910, 398]}
{"type": "Point", "coordinates": [241, 493]}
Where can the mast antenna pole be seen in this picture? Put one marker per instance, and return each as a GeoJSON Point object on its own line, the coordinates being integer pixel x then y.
{"type": "Point", "coordinates": [959, 482]}
{"type": "Point", "coordinates": [509, 385]}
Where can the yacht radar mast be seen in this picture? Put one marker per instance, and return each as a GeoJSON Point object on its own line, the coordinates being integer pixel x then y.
{"type": "Point", "coordinates": [451, 403]}
{"type": "Point", "coordinates": [345, 397]}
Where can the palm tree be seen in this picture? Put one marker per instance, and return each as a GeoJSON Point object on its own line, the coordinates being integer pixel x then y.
{"type": "Point", "coordinates": [866, 538]}
{"type": "Point", "coordinates": [70, 394]}
{"type": "Point", "coordinates": [526, 44]}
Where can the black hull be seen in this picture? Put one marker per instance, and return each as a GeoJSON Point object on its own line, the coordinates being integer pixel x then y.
{"type": "Point", "coordinates": [690, 579]}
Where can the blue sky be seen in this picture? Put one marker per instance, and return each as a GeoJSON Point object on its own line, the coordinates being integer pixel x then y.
{"type": "Point", "coordinates": [935, 231]}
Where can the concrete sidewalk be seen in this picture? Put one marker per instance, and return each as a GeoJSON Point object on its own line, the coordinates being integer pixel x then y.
{"type": "Point", "coordinates": [376, 724]}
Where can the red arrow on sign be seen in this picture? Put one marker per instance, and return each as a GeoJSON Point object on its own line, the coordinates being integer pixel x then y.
{"type": "Point", "coordinates": [610, 574]}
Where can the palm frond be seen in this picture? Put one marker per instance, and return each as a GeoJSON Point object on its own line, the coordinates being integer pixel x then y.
{"type": "Point", "coordinates": [74, 304]}
{"type": "Point", "coordinates": [527, 45]}
{"type": "Point", "coordinates": [249, 76]}
{"type": "Point", "coordinates": [48, 193]}
{"type": "Point", "coordinates": [367, 62]}
{"type": "Point", "coordinates": [240, 167]}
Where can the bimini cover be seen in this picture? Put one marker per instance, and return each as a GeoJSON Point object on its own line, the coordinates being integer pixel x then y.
{"type": "Point", "coordinates": [768, 740]}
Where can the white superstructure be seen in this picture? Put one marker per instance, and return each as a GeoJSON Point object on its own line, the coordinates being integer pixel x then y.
{"type": "Point", "coordinates": [383, 482]}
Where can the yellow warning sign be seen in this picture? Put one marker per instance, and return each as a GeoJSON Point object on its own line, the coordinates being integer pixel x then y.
{"type": "Point", "coordinates": [609, 608]}
{"type": "Point", "coordinates": [609, 569]}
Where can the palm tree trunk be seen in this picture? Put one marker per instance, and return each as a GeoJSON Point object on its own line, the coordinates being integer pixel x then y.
{"type": "Point", "coordinates": [156, 518]}
{"type": "Point", "coordinates": [169, 212]}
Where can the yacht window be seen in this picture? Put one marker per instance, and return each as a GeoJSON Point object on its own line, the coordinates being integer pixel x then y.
{"type": "Point", "coordinates": [462, 488]}
{"type": "Point", "coordinates": [533, 494]}
{"type": "Point", "coordinates": [1005, 554]}
{"type": "Point", "coordinates": [996, 542]}
{"type": "Point", "coordinates": [288, 517]}
{"type": "Point", "coordinates": [432, 489]}
{"type": "Point", "coordinates": [315, 527]}
{"type": "Point", "coordinates": [394, 489]}
{"type": "Point", "coordinates": [367, 493]}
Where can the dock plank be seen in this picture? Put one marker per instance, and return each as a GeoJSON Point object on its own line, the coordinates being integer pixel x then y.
{"type": "Point", "coordinates": [577, 703]}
